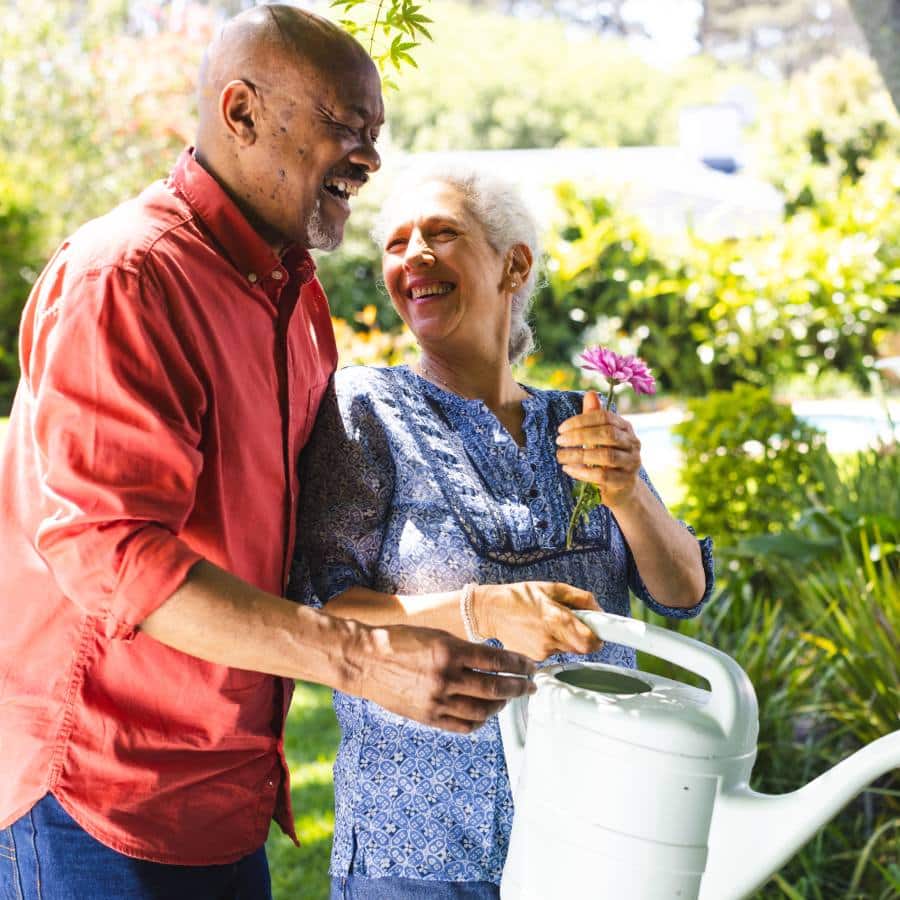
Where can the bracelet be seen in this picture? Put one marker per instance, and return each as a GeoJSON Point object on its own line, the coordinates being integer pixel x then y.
{"type": "Point", "coordinates": [465, 609]}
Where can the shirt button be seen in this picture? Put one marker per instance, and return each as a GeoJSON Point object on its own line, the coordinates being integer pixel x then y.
{"type": "Point", "coordinates": [533, 493]}
{"type": "Point", "coordinates": [270, 782]}
{"type": "Point", "coordinates": [277, 274]}
{"type": "Point", "coordinates": [252, 278]}
{"type": "Point", "coordinates": [542, 523]}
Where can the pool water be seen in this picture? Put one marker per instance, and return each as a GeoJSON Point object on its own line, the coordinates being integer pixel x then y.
{"type": "Point", "coordinates": [844, 433]}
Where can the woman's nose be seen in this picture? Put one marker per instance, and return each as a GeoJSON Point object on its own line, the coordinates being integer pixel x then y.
{"type": "Point", "coordinates": [418, 253]}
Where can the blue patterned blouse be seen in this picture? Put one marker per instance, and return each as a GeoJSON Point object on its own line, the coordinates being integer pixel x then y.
{"type": "Point", "coordinates": [411, 489]}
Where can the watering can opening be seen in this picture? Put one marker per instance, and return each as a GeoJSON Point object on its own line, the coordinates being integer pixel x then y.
{"type": "Point", "coordinates": [602, 681]}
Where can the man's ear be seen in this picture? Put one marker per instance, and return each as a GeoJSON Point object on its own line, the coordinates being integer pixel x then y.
{"type": "Point", "coordinates": [518, 265]}
{"type": "Point", "coordinates": [238, 109]}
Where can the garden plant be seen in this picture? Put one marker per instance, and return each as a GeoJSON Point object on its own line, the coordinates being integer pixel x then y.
{"type": "Point", "coordinates": [808, 545]}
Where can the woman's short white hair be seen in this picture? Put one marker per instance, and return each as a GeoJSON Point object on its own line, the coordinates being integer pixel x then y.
{"type": "Point", "coordinates": [505, 217]}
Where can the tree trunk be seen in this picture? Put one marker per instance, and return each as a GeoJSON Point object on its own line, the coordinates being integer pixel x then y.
{"type": "Point", "coordinates": [880, 23]}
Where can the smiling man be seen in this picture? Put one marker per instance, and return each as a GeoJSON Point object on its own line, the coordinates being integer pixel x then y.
{"type": "Point", "coordinates": [174, 353]}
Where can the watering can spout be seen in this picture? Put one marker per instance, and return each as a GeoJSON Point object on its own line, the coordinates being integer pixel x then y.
{"type": "Point", "coordinates": [752, 835]}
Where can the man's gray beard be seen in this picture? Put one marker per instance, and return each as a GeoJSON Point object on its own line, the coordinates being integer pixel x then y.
{"type": "Point", "coordinates": [317, 235]}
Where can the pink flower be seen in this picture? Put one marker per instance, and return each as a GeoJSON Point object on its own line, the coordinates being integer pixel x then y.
{"type": "Point", "coordinates": [619, 369]}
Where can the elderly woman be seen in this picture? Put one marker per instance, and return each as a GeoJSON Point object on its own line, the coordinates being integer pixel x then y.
{"type": "Point", "coordinates": [440, 495]}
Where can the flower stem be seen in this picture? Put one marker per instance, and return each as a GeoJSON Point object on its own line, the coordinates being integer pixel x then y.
{"type": "Point", "coordinates": [609, 395]}
{"type": "Point", "coordinates": [578, 511]}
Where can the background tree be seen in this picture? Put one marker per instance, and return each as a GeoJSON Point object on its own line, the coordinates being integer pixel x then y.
{"type": "Point", "coordinates": [538, 83]}
{"type": "Point", "coordinates": [880, 21]}
{"type": "Point", "coordinates": [777, 37]}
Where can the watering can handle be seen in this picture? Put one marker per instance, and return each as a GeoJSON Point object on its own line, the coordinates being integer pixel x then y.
{"type": "Point", "coordinates": [731, 690]}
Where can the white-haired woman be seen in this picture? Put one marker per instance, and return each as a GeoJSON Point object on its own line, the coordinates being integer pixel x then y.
{"type": "Point", "coordinates": [434, 496]}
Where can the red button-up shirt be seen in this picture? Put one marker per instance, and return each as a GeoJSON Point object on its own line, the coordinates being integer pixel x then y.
{"type": "Point", "coordinates": [172, 367]}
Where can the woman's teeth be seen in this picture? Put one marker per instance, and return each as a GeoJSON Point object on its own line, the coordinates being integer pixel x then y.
{"type": "Point", "coordinates": [429, 290]}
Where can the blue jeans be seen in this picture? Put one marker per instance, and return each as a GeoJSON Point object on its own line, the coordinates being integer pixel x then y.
{"type": "Point", "coordinates": [46, 855]}
{"type": "Point", "coordinates": [355, 887]}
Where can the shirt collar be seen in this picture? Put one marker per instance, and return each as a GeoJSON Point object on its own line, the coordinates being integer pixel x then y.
{"type": "Point", "coordinates": [249, 253]}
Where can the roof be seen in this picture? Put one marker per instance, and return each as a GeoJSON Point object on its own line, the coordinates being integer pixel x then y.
{"type": "Point", "coordinates": [667, 187]}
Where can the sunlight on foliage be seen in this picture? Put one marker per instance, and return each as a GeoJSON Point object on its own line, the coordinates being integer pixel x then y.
{"type": "Point", "coordinates": [390, 30]}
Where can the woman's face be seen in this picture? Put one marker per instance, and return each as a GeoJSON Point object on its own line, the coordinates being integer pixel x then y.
{"type": "Point", "coordinates": [444, 278]}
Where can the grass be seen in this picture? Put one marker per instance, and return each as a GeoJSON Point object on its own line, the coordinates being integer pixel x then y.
{"type": "Point", "coordinates": [311, 740]}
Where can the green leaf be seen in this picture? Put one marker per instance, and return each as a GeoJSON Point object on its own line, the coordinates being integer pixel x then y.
{"type": "Point", "coordinates": [788, 545]}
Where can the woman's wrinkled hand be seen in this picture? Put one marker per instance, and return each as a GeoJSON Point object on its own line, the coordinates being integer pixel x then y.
{"type": "Point", "coordinates": [600, 447]}
{"type": "Point", "coordinates": [535, 618]}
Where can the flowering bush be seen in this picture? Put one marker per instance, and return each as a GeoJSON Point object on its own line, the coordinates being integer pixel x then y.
{"type": "Point", "coordinates": [816, 294]}
{"type": "Point", "coordinates": [370, 346]}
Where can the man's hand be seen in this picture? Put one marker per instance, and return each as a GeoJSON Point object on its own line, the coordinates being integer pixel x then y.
{"type": "Point", "coordinates": [435, 678]}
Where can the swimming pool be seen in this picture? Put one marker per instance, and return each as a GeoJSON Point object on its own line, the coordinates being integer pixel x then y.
{"type": "Point", "coordinates": [848, 426]}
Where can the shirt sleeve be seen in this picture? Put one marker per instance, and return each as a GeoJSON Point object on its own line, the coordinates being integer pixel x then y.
{"type": "Point", "coordinates": [346, 487]}
{"type": "Point", "coordinates": [637, 586]}
{"type": "Point", "coordinates": [116, 429]}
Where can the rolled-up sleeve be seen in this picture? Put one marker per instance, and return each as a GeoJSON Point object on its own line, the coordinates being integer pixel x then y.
{"type": "Point", "coordinates": [347, 483]}
{"type": "Point", "coordinates": [637, 586]}
{"type": "Point", "coordinates": [117, 411]}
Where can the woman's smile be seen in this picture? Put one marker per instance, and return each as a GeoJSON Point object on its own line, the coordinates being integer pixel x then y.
{"type": "Point", "coordinates": [420, 291]}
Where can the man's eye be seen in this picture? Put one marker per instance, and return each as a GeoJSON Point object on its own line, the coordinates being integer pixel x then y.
{"type": "Point", "coordinates": [447, 233]}
{"type": "Point", "coordinates": [394, 243]}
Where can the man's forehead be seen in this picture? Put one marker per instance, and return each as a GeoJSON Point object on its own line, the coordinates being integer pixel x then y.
{"type": "Point", "coordinates": [357, 93]}
{"type": "Point", "coordinates": [349, 90]}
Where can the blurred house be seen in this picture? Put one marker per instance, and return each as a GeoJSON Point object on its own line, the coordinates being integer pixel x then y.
{"type": "Point", "coordinates": [699, 184]}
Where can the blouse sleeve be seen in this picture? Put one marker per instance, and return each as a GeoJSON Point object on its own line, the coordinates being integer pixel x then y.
{"type": "Point", "coordinates": [346, 486]}
{"type": "Point", "coordinates": [636, 583]}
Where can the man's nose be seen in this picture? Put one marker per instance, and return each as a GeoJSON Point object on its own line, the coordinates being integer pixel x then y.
{"type": "Point", "coordinates": [366, 155]}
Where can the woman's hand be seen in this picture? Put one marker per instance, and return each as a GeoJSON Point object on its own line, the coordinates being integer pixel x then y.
{"type": "Point", "coordinates": [534, 618]}
{"type": "Point", "coordinates": [601, 447]}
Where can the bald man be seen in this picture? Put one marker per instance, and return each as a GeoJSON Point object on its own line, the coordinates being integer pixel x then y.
{"type": "Point", "coordinates": [174, 353]}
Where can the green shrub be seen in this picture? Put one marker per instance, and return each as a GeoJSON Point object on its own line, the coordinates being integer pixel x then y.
{"type": "Point", "coordinates": [814, 295]}
{"type": "Point", "coordinates": [21, 256]}
{"type": "Point", "coordinates": [844, 507]}
{"type": "Point", "coordinates": [748, 463]}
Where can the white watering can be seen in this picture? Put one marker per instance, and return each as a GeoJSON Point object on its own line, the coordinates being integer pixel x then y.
{"type": "Point", "coordinates": [632, 785]}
